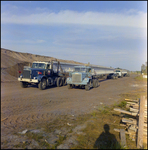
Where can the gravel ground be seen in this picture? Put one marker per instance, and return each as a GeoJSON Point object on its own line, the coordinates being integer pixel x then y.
{"type": "Point", "coordinates": [21, 107]}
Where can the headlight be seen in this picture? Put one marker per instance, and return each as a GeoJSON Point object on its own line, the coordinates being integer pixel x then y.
{"type": "Point", "coordinates": [85, 79]}
{"type": "Point", "coordinates": [68, 79]}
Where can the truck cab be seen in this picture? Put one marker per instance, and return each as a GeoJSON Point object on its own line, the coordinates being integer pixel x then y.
{"type": "Point", "coordinates": [119, 73]}
{"type": "Point", "coordinates": [82, 76]}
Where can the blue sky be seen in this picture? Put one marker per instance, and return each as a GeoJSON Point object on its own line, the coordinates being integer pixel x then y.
{"type": "Point", "coordinates": [109, 33]}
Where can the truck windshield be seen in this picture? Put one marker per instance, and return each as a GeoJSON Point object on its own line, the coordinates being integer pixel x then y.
{"type": "Point", "coordinates": [117, 70]}
{"type": "Point", "coordinates": [38, 65]}
{"type": "Point", "coordinates": [80, 69]}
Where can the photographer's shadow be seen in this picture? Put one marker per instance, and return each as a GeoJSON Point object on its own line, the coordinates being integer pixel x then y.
{"type": "Point", "coordinates": [106, 140]}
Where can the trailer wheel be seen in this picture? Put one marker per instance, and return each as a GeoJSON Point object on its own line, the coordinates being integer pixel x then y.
{"type": "Point", "coordinates": [24, 84]}
{"type": "Point", "coordinates": [69, 86]}
{"type": "Point", "coordinates": [42, 85]}
{"type": "Point", "coordinates": [59, 82]}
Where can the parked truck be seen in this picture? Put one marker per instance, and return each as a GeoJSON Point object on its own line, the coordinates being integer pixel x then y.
{"type": "Point", "coordinates": [82, 76]}
{"type": "Point", "coordinates": [43, 74]}
{"type": "Point", "coordinates": [122, 73]}
{"type": "Point", "coordinates": [119, 73]}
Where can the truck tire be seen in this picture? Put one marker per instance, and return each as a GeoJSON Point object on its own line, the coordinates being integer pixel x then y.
{"type": "Point", "coordinates": [69, 86]}
{"type": "Point", "coordinates": [64, 81]}
{"type": "Point", "coordinates": [87, 87]}
{"type": "Point", "coordinates": [59, 82]}
{"type": "Point", "coordinates": [98, 83]}
{"type": "Point", "coordinates": [42, 85]}
{"type": "Point", "coordinates": [24, 84]}
{"type": "Point", "coordinates": [95, 83]}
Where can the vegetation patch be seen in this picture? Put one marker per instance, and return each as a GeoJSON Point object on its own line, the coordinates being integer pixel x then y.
{"type": "Point", "coordinates": [140, 78]}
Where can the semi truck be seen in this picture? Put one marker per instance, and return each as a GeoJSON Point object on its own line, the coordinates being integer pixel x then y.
{"type": "Point", "coordinates": [122, 73]}
{"type": "Point", "coordinates": [87, 76]}
{"type": "Point", "coordinates": [119, 73]}
{"type": "Point", "coordinates": [83, 76]}
{"type": "Point", "coordinates": [43, 74]}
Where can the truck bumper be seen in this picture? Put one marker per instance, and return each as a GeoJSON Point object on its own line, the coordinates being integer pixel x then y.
{"type": "Point", "coordinates": [77, 83]}
{"type": "Point", "coordinates": [28, 80]}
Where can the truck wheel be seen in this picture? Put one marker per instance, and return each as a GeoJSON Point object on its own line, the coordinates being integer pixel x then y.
{"type": "Point", "coordinates": [59, 82]}
{"type": "Point", "coordinates": [69, 86]}
{"type": "Point", "coordinates": [97, 81]}
{"type": "Point", "coordinates": [24, 84]}
{"type": "Point", "coordinates": [94, 83]}
{"type": "Point", "coordinates": [42, 85]}
{"type": "Point", "coordinates": [87, 87]}
{"type": "Point", "coordinates": [64, 81]}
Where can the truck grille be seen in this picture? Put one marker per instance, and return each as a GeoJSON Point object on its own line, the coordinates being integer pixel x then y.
{"type": "Point", "coordinates": [26, 74]}
{"type": "Point", "coordinates": [76, 78]}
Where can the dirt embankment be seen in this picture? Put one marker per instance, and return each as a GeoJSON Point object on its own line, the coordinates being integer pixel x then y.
{"type": "Point", "coordinates": [12, 62]}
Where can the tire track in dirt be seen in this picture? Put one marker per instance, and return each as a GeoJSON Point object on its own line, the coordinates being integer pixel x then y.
{"type": "Point", "coordinates": [17, 122]}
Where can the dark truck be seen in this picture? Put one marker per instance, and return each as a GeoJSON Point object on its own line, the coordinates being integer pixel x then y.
{"type": "Point", "coordinates": [43, 74]}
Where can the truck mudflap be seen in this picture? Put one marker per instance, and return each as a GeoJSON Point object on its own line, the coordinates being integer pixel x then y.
{"type": "Point", "coordinates": [28, 80]}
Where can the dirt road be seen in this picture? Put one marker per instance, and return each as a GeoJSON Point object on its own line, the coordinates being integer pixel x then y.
{"type": "Point", "coordinates": [21, 107]}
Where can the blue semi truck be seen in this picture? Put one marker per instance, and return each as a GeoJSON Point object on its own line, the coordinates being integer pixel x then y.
{"type": "Point", "coordinates": [83, 76]}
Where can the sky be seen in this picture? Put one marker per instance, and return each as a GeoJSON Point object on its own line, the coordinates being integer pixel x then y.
{"type": "Point", "coordinates": [105, 33]}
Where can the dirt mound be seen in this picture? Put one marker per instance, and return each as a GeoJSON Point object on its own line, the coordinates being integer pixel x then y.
{"type": "Point", "coordinates": [12, 62]}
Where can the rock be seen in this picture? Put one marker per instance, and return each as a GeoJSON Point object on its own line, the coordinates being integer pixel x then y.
{"type": "Point", "coordinates": [68, 143]}
{"type": "Point", "coordinates": [79, 127]}
{"type": "Point", "coordinates": [52, 139]}
{"type": "Point", "coordinates": [69, 124]}
{"type": "Point", "coordinates": [33, 142]}
{"type": "Point", "coordinates": [35, 131]}
{"type": "Point", "coordinates": [23, 132]}
{"type": "Point", "coordinates": [63, 146]}
{"type": "Point", "coordinates": [57, 131]}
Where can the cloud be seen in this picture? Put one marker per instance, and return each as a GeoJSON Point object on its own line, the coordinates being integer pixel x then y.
{"type": "Point", "coordinates": [32, 41]}
{"type": "Point", "coordinates": [67, 17]}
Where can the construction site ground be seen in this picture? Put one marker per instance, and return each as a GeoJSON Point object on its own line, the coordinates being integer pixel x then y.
{"type": "Point", "coordinates": [26, 109]}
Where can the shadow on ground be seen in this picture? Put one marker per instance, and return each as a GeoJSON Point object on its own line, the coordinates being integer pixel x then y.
{"type": "Point", "coordinates": [106, 140]}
